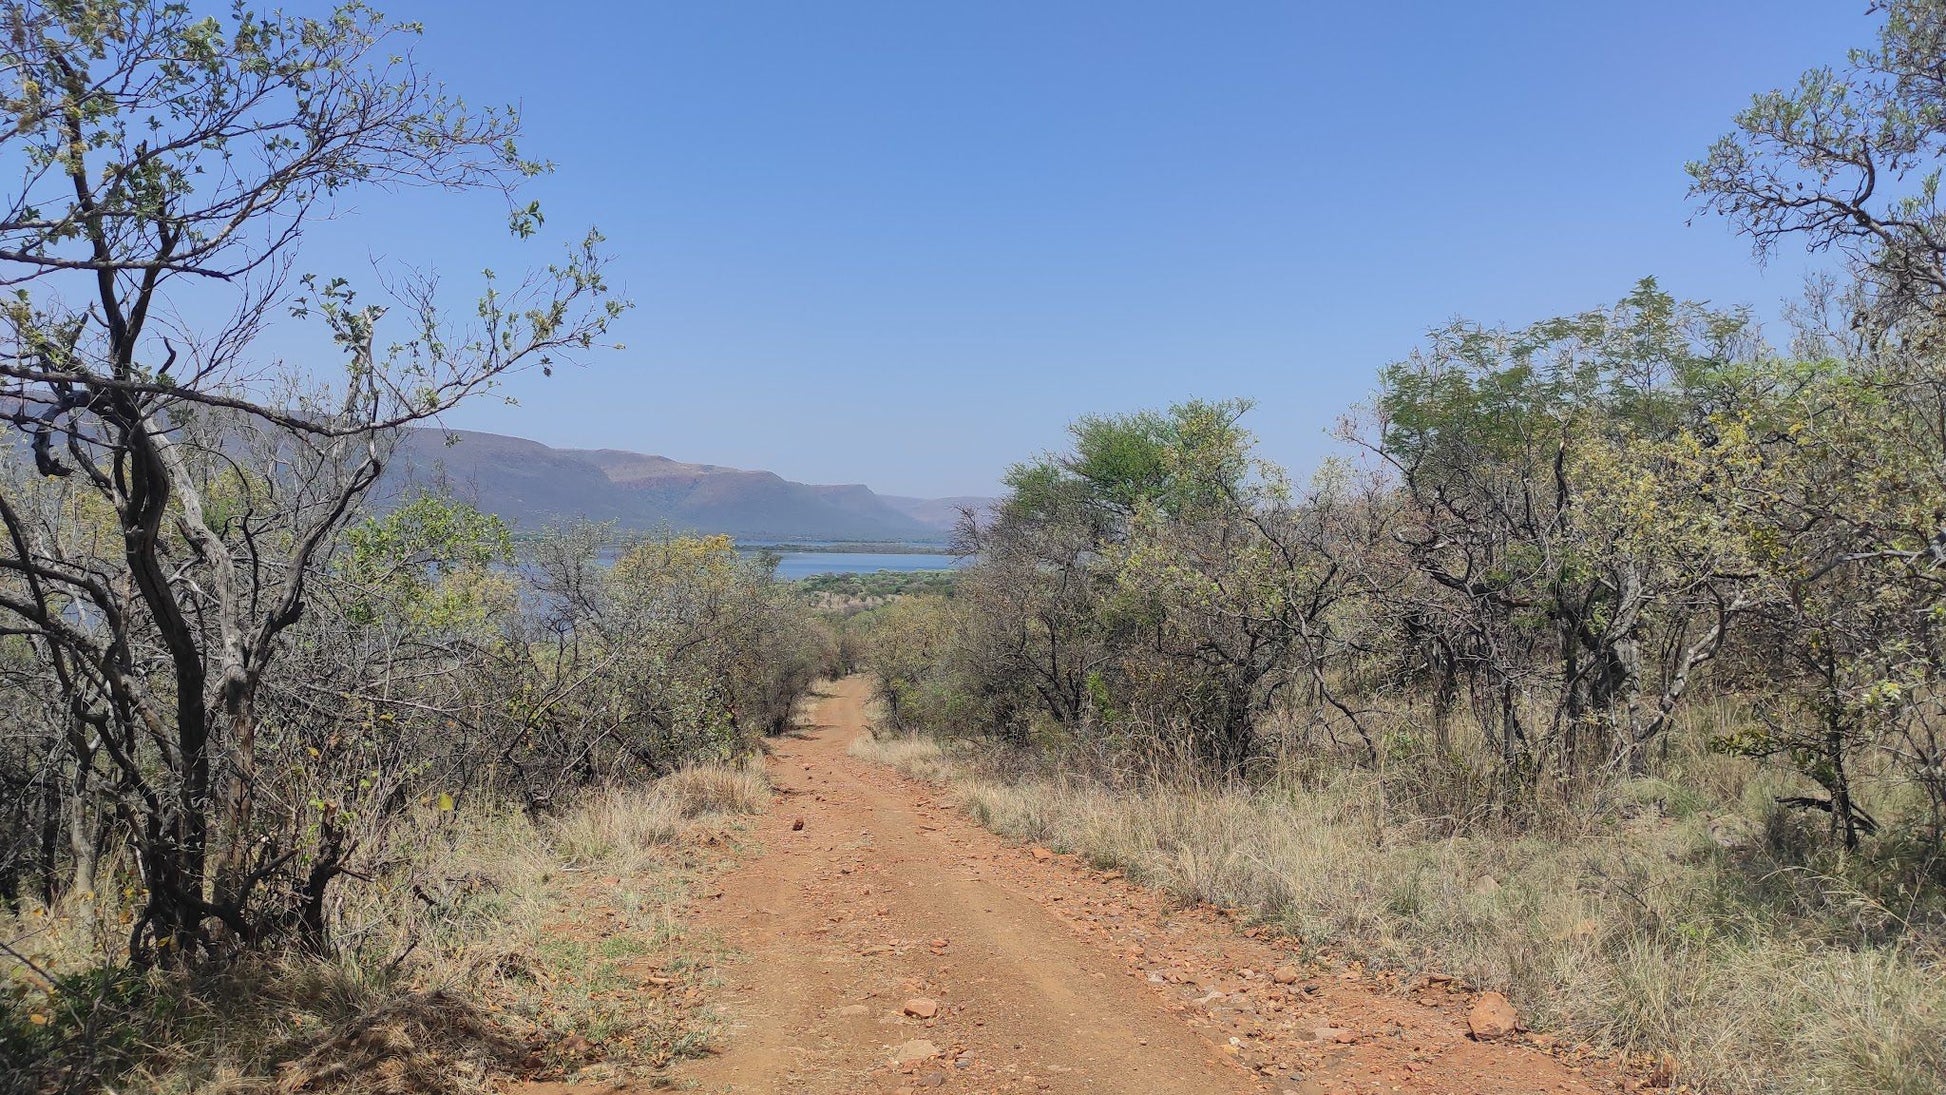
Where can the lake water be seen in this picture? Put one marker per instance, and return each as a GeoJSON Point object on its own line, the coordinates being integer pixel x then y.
{"type": "Point", "coordinates": [793, 565]}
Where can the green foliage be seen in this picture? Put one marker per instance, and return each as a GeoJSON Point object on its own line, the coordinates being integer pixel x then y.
{"type": "Point", "coordinates": [1577, 569]}
{"type": "Point", "coordinates": [878, 584]}
{"type": "Point", "coordinates": [1190, 456]}
{"type": "Point", "coordinates": [427, 560]}
{"type": "Point", "coordinates": [683, 650]}
{"type": "Point", "coordinates": [1645, 366]}
{"type": "Point", "coordinates": [1850, 159]}
{"type": "Point", "coordinates": [907, 644]}
{"type": "Point", "coordinates": [1158, 582]}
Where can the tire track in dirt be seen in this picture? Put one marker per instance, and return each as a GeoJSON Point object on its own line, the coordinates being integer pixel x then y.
{"type": "Point", "coordinates": [1046, 976]}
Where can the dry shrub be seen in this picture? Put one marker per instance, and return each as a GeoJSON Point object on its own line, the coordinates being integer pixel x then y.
{"type": "Point", "coordinates": [915, 755]}
{"type": "Point", "coordinates": [718, 789]}
{"type": "Point", "coordinates": [263, 1027]}
{"type": "Point", "coordinates": [622, 826]}
{"type": "Point", "coordinates": [424, 1043]}
{"type": "Point", "coordinates": [451, 969]}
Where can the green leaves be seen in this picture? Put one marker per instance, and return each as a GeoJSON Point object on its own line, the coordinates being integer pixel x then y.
{"type": "Point", "coordinates": [1848, 158]}
{"type": "Point", "coordinates": [1477, 394]}
{"type": "Point", "coordinates": [429, 562]}
{"type": "Point", "coordinates": [1194, 455]}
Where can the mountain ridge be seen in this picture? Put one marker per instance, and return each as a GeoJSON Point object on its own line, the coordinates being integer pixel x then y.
{"type": "Point", "coordinates": [529, 483]}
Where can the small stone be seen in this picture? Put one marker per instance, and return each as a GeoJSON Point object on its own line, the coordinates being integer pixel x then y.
{"type": "Point", "coordinates": [1043, 854]}
{"type": "Point", "coordinates": [932, 1079]}
{"type": "Point", "coordinates": [1731, 833]}
{"type": "Point", "coordinates": [921, 1008]}
{"type": "Point", "coordinates": [1491, 1017]}
{"type": "Point", "coordinates": [916, 1050]}
{"type": "Point", "coordinates": [797, 825]}
{"type": "Point", "coordinates": [1284, 975]}
{"type": "Point", "coordinates": [1486, 885]}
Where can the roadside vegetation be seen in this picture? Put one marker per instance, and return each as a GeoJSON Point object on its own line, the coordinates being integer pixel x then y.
{"type": "Point", "coordinates": [290, 785]}
{"type": "Point", "coordinates": [1608, 672]}
{"type": "Point", "coordinates": [485, 944]}
{"type": "Point", "coordinates": [840, 596]}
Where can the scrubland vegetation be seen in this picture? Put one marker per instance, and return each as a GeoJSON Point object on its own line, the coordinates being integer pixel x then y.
{"type": "Point", "coordinates": [484, 943]}
{"type": "Point", "coordinates": [449, 743]}
{"type": "Point", "coordinates": [287, 785]}
{"type": "Point", "coordinates": [1606, 669]}
{"type": "Point", "coordinates": [842, 595]}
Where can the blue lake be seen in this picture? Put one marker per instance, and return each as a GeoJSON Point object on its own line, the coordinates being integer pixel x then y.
{"type": "Point", "coordinates": [793, 565]}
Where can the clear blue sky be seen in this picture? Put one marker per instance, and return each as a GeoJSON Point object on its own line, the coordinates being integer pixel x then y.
{"type": "Point", "coordinates": [904, 243]}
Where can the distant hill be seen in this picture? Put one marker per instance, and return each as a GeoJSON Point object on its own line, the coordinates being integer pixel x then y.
{"type": "Point", "coordinates": [532, 484]}
{"type": "Point", "coordinates": [940, 513]}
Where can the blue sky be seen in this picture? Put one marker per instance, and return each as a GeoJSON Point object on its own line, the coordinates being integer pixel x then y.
{"type": "Point", "coordinates": [904, 243]}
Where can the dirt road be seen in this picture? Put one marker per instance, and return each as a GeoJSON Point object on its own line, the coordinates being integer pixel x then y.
{"type": "Point", "coordinates": [890, 943]}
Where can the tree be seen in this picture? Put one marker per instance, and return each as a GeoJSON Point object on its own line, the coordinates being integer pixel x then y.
{"type": "Point", "coordinates": [1847, 475]}
{"type": "Point", "coordinates": [1155, 580]}
{"type": "Point", "coordinates": [1840, 515]}
{"type": "Point", "coordinates": [683, 650]}
{"type": "Point", "coordinates": [1850, 159]}
{"type": "Point", "coordinates": [1536, 464]}
{"type": "Point", "coordinates": [908, 644]}
{"type": "Point", "coordinates": [170, 160]}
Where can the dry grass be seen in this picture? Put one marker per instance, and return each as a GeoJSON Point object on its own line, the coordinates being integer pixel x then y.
{"type": "Point", "coordinates": [476, 953]}
{"type": "Point", "coordinates": [1634, 928]}
{"type": "Point", "coordinates": [623, 827]}
{"type": "Point", "coordinates": [914, 755]}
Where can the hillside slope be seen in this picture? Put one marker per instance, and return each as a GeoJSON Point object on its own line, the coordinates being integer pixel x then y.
{"type": "Point", "coordinates": [940, 513]}
{"type": "Point", "coordinates": [532, 484]}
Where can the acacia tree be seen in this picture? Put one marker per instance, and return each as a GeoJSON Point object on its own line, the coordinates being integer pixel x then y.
{"type": "Point", "coordinates": [682, 650]}
{"type": "Point", "coordinates": [1536, 467]}
{"type": "Point", "coordinates": [1848, 479]}
{"type": "Point", "coordinates": [165, 160]}
{"type": "Point", "coordinates": [1035, 592]}
{"type": "Point", "coordinates": [1834, 507]}
{"type": "Point", "coordinates": [1156, 579]}
{"type": "Point", "coordinates": [1850, 160]}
